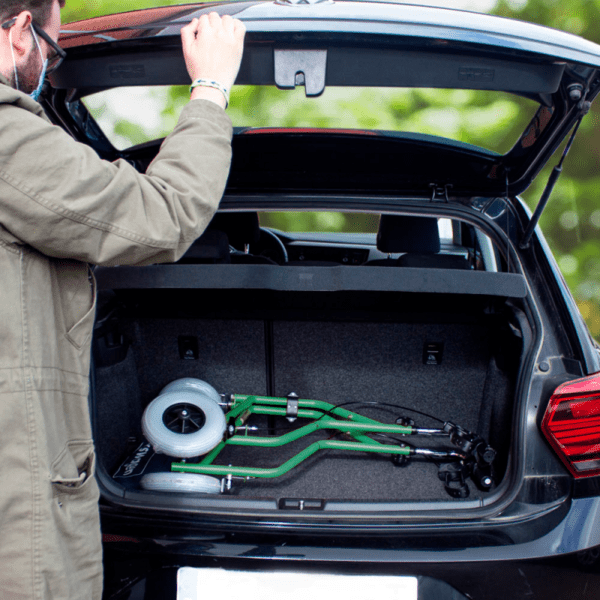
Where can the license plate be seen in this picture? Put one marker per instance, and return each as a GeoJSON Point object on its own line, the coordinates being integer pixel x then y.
{"type": "Point", "coordinates": [211, 584]}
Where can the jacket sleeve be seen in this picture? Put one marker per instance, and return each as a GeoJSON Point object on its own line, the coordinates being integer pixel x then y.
{"type": "Point", "coordinates": [59, 197]}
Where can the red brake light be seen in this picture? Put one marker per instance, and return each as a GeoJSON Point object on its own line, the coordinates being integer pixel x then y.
{"type": "Point", "coordinates": [572, 425]}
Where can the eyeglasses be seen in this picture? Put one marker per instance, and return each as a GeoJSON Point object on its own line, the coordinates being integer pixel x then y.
{"type": "Point", "coordinates": [55, 60]}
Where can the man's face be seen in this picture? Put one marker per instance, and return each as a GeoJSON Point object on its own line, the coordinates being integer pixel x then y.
{"type": "Point", "coordinates": [29, 73]}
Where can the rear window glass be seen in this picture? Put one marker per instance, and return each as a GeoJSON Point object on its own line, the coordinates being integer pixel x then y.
{"type": "Point", "coordinates": [330, 222]}
{"type": "Point", "coordinates": [490, 120]}
{"type": "Point", "coordinates": [320, 222]}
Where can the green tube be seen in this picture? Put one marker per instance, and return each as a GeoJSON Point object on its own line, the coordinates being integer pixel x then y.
{"type": "Point", "coordinates": [207, 460]}
{"type": "Point", "coordinates": [354, 424]}
{"type": "Point", "coordinates": [324, 423]}
{"type": "Point", "coordinates": [243, 403]}
{"type": "Point", "coordinates": [282, 412]}
{"type": "Point", "coordinates": [292, 462]}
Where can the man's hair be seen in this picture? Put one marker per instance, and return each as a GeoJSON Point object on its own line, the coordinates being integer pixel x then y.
{"type": "Point", "coordinates": [39, 9]}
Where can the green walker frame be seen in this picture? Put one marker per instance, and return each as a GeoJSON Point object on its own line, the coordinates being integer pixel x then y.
{"type": "Point", "coordinates": [472, 455]}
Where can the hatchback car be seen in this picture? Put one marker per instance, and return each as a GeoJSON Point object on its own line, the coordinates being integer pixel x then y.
{"type": "Point", "coordinates": [369, 365]}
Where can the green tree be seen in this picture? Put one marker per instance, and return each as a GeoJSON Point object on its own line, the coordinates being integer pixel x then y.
{"type": "Point", "coordinates": [571, 222]}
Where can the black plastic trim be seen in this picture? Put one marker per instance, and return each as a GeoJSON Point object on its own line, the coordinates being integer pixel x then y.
{"type": "Point", "coordinates": [313, 279]}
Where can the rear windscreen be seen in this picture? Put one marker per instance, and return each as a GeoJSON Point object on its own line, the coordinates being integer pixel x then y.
{"type": "Point", "coordinates": [491, 120]}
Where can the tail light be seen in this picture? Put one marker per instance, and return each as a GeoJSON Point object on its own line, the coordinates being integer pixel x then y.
{"type": "Point", "coordinates": [572, 425]}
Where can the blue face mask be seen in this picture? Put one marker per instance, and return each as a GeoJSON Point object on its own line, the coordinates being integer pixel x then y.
{"type": "Point", "coordinates": [36, 93]}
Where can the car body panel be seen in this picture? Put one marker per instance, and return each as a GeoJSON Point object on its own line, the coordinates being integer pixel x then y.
{"type": "Point", "coordinates": [154, 576]}
{"type": "Point", "coordinates": [576, 531]}
{"type": "Point", "coordinates": [365, 44]}
{"type": "Point", "coordinates": [406, 20]}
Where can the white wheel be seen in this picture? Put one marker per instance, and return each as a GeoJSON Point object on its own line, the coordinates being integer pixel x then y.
{"type": "Point", "coordinates": [183, 424]}
{"type": "Point", "coordinates": [181, 482]}
{"type": "Point", "coordinates": [191, 384]}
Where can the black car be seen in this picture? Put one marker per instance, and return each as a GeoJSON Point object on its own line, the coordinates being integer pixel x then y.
{"type": "Point", "coordinates": [373, 314]}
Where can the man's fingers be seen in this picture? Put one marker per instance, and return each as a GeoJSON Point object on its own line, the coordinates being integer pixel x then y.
{"type": "Point", "coordinates": [203, 23]}
{"type": "Point", "coordinates": [239, 29]}
{"type": "Point", "coordinates": [213, 47]}
{"type": "Point", "coordinates": [214, 18]}
{"type": "Point", "coordinates": [227, 22]}
{"type": "Point", "coordinates": [216, 23]}
{"type": "Point", "coordinates": [191, 25]}
{"type": "Point", "coordinates": [188, 33]}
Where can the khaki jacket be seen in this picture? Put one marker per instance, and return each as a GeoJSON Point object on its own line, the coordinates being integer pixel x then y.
{"type": "Point", "coordinates": [61, 207]}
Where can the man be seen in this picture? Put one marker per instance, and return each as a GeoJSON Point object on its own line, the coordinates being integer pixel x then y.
{"type": "Point", "coordinates": [61, 207]}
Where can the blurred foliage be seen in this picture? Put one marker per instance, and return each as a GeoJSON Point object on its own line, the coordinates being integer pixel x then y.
{"type": "Point", "coordinates": [76, 10]}
{"type": "Point", "coordinates": [571, 222]}
{"type": "Point", "coordinates": [321, 221]}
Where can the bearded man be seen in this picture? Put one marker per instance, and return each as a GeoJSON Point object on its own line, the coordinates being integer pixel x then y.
{"type": "Point", "coordinates": [62, 209]}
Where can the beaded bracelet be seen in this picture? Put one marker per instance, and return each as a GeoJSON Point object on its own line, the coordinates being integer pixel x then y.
{"type": "Point", "coordinates": [212, 84]}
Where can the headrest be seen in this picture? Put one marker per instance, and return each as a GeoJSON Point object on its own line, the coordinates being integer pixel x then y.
{"type": "Point", "coordinates": [398, 233]}
{"type": "Point", "coordinates": [210, 247]}
{"type": "Point", "coordinates": [241, 228]}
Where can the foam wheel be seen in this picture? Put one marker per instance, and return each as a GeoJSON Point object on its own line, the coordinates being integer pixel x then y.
{"type": "Point", "coordinates": [183, 424]}
{"type": "Point", "coordinates": [191, 384]}
{"type": "Point", "coordinates": [181, 482]}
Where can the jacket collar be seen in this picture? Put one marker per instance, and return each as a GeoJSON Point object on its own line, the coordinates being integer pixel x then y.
{"type": "Point", "coordinates": [8, 95]}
